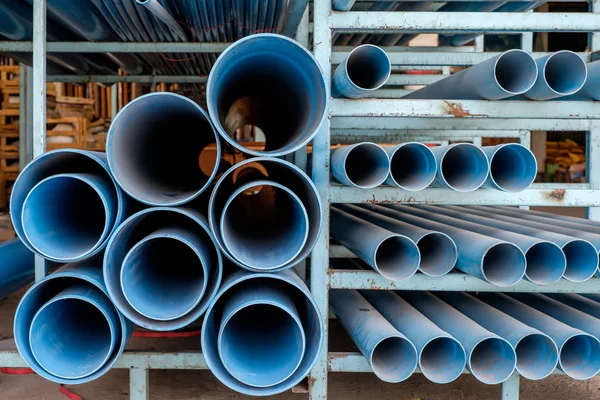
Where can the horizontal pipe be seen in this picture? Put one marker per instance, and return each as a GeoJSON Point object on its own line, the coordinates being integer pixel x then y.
{"type": "Point", "coordinates": [442, 358]}
{"type": "Point", "coordinates": [438, 250]}
{"type": "Point", "coordinates": [560, 74]}
{"type": "Point", "coordinates": [495, 261]}
{"type": "Point", "coordinates": [173, 166]}
{"type": "Point", "coordinates": [394, 256]}
{"type": "Point", "coordinates": [284, 282]}
{"type": "Point", "coordinates": [575, 222]}
{"type": "Point", "coordinates": [513, 167]}
{"type": "Point", "coordinates": [16, 267]}
{"type": "Point", "coordinates": [463, 167]}
{"type": "Point", "coordinates": [362, 165]}
{"type": "Point", "coordinates": [511, 73]}
{"type": "Point", "coordinates": [289, 114]}
{"type": "Point", "coordinates": [159, 12]}
{"type": "Point", "coordinates": [365, 69]}
{"type": "Point", "coordinates": [413, 166]}
{"type": "Point", "coordinates": [490, 358]}
{"type": "Point", "coordinates": [590, 90]}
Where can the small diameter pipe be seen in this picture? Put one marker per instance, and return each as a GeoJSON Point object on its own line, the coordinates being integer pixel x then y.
{"type": "Point", "coordinates": [159, 12]}
{"type": "Point", "coordinates": [392, 356]}
{"type": "Point", "coordinates": [591, 88]}
{"type": "Point", "coordinates": [513, 167]}
{"type": "Point", "coordinates": [396, 257]}
{"type": "Point", "coordinates": [537, 354]}
{"type": "Point", "coordinates": [16, 266]}
{"type": "Point", "coordinates": [579, 352]}
{"type": "Point", "coordinates": [342, 5]}
{"type": "Point", "coordinates": [463, 167]}
{"type": "Point", "coordinates": [413, 166]}
{"type": "Point", "coordinates": [438, 250]}
{"type": "Point", "coordinates": [560, 74]}
{"type": "Point", "coordinates": [367, 68]}
{"type": "Point", "coordinates": [497, 262]}
{"type": "Point", "coordinates": [511, 73]}
{"type": "Point", "coordinates": [442, 358]}
{"type": "Point", "coordinates": [362, 165]}
{"type": "Point", "coordinates": [490, 358]}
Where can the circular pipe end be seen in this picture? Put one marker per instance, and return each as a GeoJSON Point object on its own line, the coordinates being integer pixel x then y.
{"type": "Point", "coordinates": [565, 72]}
{"type": "Point", "coordinates": [537, 356]}
{"type": "Point", "coordinates": [492, 360]}
{"type": "Point", "coordinates": [513, 167]}
{"type": "Point", "coordinates": [366, 165]}
{"type": "Point", "coordinates": [394, 359]}
{"type": "Point", "coordinates": [515, 72]}
{"type": "Point", "coordinates": [438, 254]}
{"type": "Point", "coordinates": [546, 263]}
{"type": "Point", "coordinates": [580, 356]}
{"type": "Point", "coordinates": [442, 360]}
{"type": "Point", "coordinates": [397, 258]}
{"type": "Point", "coordinates": [503, 264]}
{"type": "Point", "coordinates": [582, 260]}
{"type": "Point", "coordinates": [412, 166]}
{"type": "Point", "coordinates": [368, 67]}
{"type": "Point", "coordinates": [464, 167]}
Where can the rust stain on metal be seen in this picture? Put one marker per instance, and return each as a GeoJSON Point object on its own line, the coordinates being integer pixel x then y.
{"type": "Point", "coordinates": [458, 111]}
{"type": "Point", "coordinates": [557, 194]}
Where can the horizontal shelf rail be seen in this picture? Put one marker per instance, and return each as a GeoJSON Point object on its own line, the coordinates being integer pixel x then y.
{"type": "Point", "coordinates": [126, 78]}
{"type": "Point", "coordinates": [117, 47]}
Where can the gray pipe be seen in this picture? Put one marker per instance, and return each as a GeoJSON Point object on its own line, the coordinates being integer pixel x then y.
{"type": "Point", "coordinates": [159, 12]}
{"type": "Point", "coordinates": [365, 69]}
{"type": "Point", "coordinates": [463, 167]}
{"type": "Point", "coordinates": [413, 166]}
{"type": "Point", "coordinates": [560, 74]}
{"type": "Point", "coordinates": [513, 167]}
{"type": "Point", "coordinates": [591, 88]}
{"type": "Point", "coordinates": [362, 165]}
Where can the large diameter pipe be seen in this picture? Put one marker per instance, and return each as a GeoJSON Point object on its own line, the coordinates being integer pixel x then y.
{"type": "Point", "coordinates": [258, 234]}
{"type": "Point", "coordinates": [546, 262]}
{"type": "Point", "coordinates": [396, 257]}
{"type": "Point", "coordinates": [463, 167]}
{"type": "Point", "coordinates": [156, 266]}
{"type": "Point", "coordinates": [579, 352]}
{"type": "Point", "coordinates": [413, 166]}
{"type": "Point", "coordinates": [559, 74]}
{"type": "Point", "coordinates": [495, 261]}
{"type": "Point", "coordinates": [286, 283]}
{"type": "Point", "coordinates": [537, 354]}
{"type": "Point", "coordinates": [438, 250]}
{"type": "Point", "coordinates": [365, 69]}
{"type": "Point", "coordinates": [289, 113]}
{"type": "Point", "coordinates": [390, 354]}
{"type": "Point", "coordinates": [581, 255]}
{"type": "Point", "coordinates": [513, 167]}
{"type": "Point", "coordinates": [361, 165]}
{"type": "Point", "coordinates": [84, 220]}
{"type": "Point", "coordinates": [442, 358]}
{"type": "Point", "coordinates": [83, 312]}
{"type": "Point", "coordinates": [16, 267]}
{"type": "Point", "coordinates": [180, 154]}
{"type": "Point", "coordinates": [261, 331]}
{"type": "Point", "coordinates": [490, 358]}
{"type": "Point", "coordinates": [511, 73]}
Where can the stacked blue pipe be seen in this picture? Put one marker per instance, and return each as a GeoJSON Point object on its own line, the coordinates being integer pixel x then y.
{"type": "Point", "coordinates": [16, 266]}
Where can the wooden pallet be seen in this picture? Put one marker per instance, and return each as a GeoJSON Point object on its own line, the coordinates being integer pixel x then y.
{"type": "Point", "coordinates": [9, 162]}
{"type": "Point", "coordinates": [77, 133]}
{"type": "Point", "coordinates": [9, 142]}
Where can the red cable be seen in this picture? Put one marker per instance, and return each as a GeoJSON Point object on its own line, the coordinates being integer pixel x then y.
{"type": "Point", "coordinates": [17, 371]}
{"type": "Point", "coordinates": [70, 395]}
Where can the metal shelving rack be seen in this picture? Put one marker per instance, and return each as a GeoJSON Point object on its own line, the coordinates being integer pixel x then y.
{"type": "Point", "coordinates": [390, 120]}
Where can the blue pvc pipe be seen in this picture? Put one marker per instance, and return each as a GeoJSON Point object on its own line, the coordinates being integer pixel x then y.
{"type": "Point", "coordinates": [272, 83]}
{"type": "Point", "coordinates": [463, 167]}
{"type": "Point", "coordinates": [361, 165]}
{"type": "Point", "coordinates": [413, 166]}
{"type": "Point", "coordinates": [16, 266]}
{"type": "Point", "coordinates": [513, 167]}
{"type": "Point", "coordinates": [591, 88]}
{"type": "Point", "coordinates": [89, 274]}
{"type": "Point", "coordinates": [365, 69]}
{"type": "Point", "coordinates": [285, 282]}
{"type": "Point", "coordinates": [559, 74]}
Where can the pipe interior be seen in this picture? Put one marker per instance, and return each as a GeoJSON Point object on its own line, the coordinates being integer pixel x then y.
{"type": "Point", "coordinates": [546, 263]}
{"type": "Point", "coordinates": [368, 67]}
{"type": "Point", "coordinates": [67, 332]}
{"type": "Point", "coordinates": [513, 168]}
{"type": "Point", "coordinates": [263, 338]}
{"type": "Point", "coordinates": [64, 218]}
{"type": "Point", "coordinates": [157, 145]}
{"type": "Point", "coordinates": [272, 85]}
{"type": "Point", "coordinates": [582, 260]}
{"type": "Point", "coordinates": [438, 254]}
{"type": "Point", "coordinates": [397, 258]}
{"type": "Point", "coordinates": [537, 356]}
{"type": "Point", "coordinates": [413, 166]}
{"type": "Point", "coordinates": [394, 359]}
{"type": "Point", "coordinates": [565, 72]}
{"type": "Point", "coordinates": [503, 264]}
{"type": "Point", "coordinates": [442, 360]}
{"type": "Point", "coordinates": [367, 165]}
{"type": "Point", "coordinates": [516, 72]}
{"type": "Point", "coordinates": [163, 278]}
{"type": "Point", "coordinates": [464, 168]}
{"type": "Point", "coordinates": [580, 357]}
{"type": "Point", "coordinates": [264, 227]}
{"type": "Point", "coordinates": [492, 361]}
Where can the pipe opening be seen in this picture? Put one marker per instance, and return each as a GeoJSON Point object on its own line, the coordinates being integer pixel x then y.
{"type": "Point", "coordinates": [368, 67]}
{"type": "Point", "coordinates": [546, 263]}
{"type": "Point", "coordinates": [464, 167]}
{"type": "Point", "coordinates": [442, 360]}
{"type": "Point", "coordinates": [155, 149]}
{"type": "Point", "coordinates": [503, 265]}
{"type": "Point", "coordinates": [492, 361]}
{"type": "Point", "coordinates": [367, 165]}
{"type": "Point", "coordinates": [438, 254]}
{"type": "Point", "coordinates": [269, 82]}
{"type": "Point", "coordinates": [565, 72]}
{"type": "Point", "coordinates": [264, 225]}
{"type": "Point", "coordinates": [513, 168]}
{"type": "Point", "coordinates": [413, 166]}
{"type": "Point", "coordinates": [65, 218]}
{"type": "Point", "coordinates": [516, 72]}
{"type": "Point", "coordinates": [397, 258]}
{"type": "Point", "coordinates": [394, 359]}
{"type": "Point", "coordinates": [580, 357]}
{"type": "Point", "coordinates": [163, 278]}
{"type": "Point", "coordinates": [262, 345]}
{"type": "Point", "coordinates": [582, 260]}
{"type": "Point", "coordinates": [537, 356]}
{"type": "Point", "coordinates": [70, 338]}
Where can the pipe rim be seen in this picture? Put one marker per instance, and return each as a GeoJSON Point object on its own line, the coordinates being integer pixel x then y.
{"type": "Point", "coordinates": [579, 86]}
{"type": "Point", "coordinates": [376, 180]}
{"type": "Point", "coordinates": [577, 276]}
{"type": "Point", "coordinates": [512, 362]}
{"type": "Point", "coordinates": [381, 51]}
{"type": "Point", "coordinates": [479, 153]}
{"type": "Point", "coordinates": [518, 276]}
{"type": "Point", "coordinates": [533, 64]}
{"type": "Point", "coordinates": [592, 340]}
{"type": "Point", "coordinates": [429, 154]}
{"type": "Point", "coordinates": [401, 271]}
{"type": "Point", "coordinates": [454, 256]}
{"type": "Point", "coordinates": [408, 370]}
{"type": "Point", "coordinates": [554, 278]}
{"type": "Point", "coordinates": [544, 374]}
{"type": "Point", "coordinates": [524, 152]}
{"type": "Point", "coordinates": [456, 373]}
